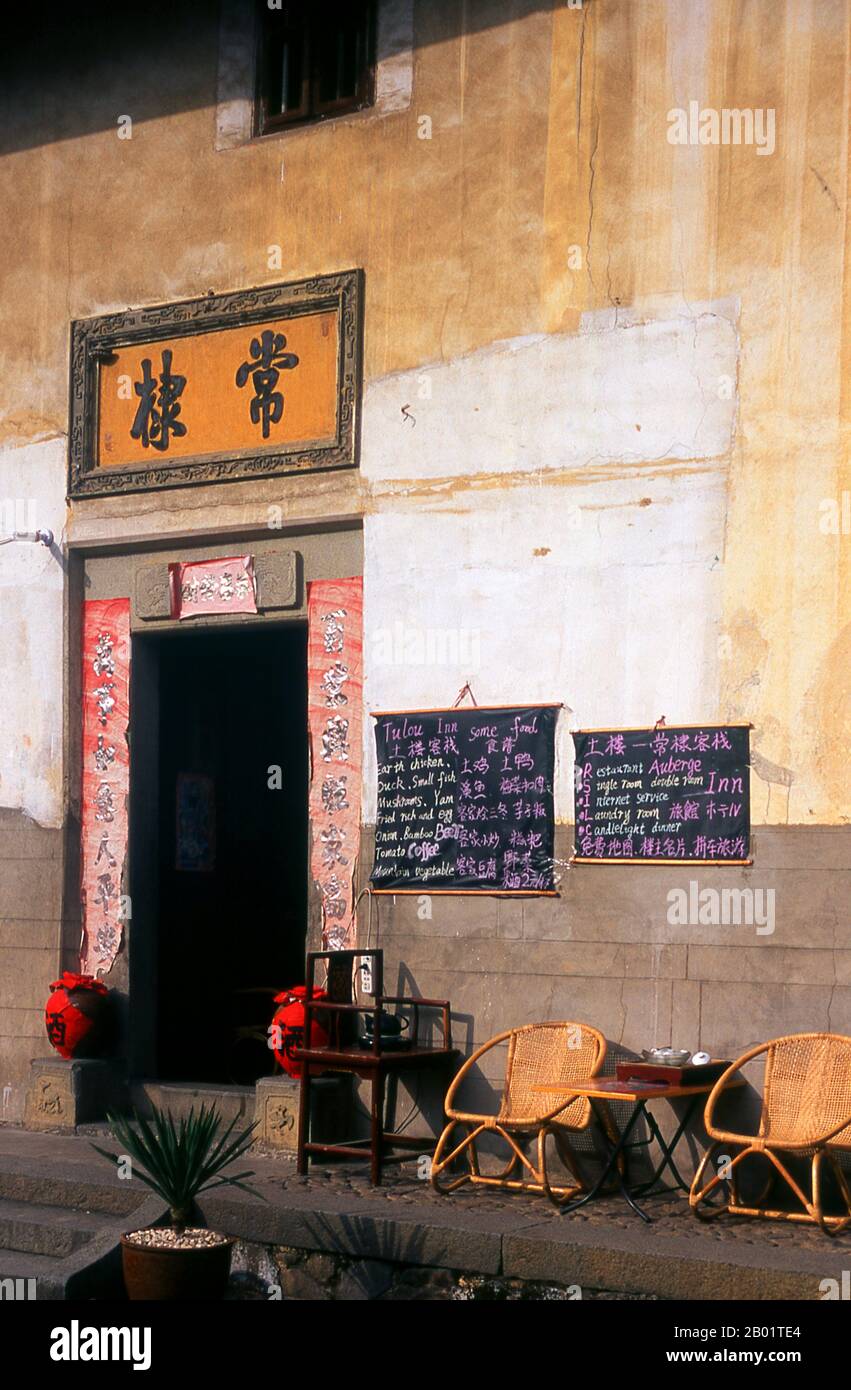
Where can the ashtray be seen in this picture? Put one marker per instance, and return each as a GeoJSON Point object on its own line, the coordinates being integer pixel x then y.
{"type": "Point", "coordinates": [666, 1056]}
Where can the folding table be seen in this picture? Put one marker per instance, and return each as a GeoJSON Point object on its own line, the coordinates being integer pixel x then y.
{"type": "Point", "coordinates": [640, 1093]}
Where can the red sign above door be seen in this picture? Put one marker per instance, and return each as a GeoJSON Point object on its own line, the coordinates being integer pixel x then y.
{"type": "Point", "coordinates": [213, 586]}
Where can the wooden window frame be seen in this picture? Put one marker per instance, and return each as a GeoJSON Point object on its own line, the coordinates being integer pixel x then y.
{"type": "Point", "coordinates": [311, 109]}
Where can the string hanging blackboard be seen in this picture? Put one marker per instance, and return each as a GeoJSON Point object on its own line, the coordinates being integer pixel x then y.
{"type": "Point", "coordinates": [465, 800]}
{"type": "Point", "coordinates": [663, 794]}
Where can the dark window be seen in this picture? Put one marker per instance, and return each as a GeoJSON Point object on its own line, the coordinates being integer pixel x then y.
{"type": "Point", "coordinates": [316, 60]}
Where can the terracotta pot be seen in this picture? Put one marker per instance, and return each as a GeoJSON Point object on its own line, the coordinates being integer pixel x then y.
{"type": "Point", "coordinates": [175, 1276]}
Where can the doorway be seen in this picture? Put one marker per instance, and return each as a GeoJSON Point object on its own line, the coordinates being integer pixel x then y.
{"type": "Point", "coordinates": [227, 830]}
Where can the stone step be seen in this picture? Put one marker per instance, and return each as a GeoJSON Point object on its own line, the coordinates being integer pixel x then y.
{"type": "Point", "coordinates": [33, 1276]}
{"type": "Point", "coordinates": [84, 1192]}
{"type": "Point", "coordinates": [179, 1097]}
{"type": "Point", "coordinates": [48, 1230]}
{"type": "Point", "coordinates": [62, 1212]}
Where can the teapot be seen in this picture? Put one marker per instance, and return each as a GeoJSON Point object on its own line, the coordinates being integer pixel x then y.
{"type": "Point", "coordinates": [390, 1025]}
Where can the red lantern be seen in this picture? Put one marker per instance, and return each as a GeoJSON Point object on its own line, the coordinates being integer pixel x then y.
{"type": "Point", "coordinates": [287, 1028]}
{"type": "Point", "coordinates": [74, 1014]}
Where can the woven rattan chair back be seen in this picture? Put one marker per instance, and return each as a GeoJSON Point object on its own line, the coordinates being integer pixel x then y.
{"type": "Point", "coordinates": [807, 1090]}
{"type": "Point", "coordinates": [538, 1053]}
{"type": "Point", "coordinates": [562, 1052]}
{"type": "Point", "coordinates": [806, 1111]}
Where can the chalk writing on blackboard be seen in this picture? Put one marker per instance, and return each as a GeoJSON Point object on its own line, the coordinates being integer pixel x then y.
{"type": "Point", "coordinates": [465, 800]}
{"type": "Point", "coordinates": [663, 794]}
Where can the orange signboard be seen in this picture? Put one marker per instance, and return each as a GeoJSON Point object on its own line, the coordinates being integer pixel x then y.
{"type": "Point", "coordinates": [252, 383]}
{"type": "Point", "coordinates": [236, 390]}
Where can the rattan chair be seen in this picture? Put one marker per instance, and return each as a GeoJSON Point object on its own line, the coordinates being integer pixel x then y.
{"type": "Point", "coordinates": [806, 1111]}
{"type": "Point", "coordinates": [537, 1053]}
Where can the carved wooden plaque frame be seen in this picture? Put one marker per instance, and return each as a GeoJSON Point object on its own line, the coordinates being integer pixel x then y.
{"type": "Point", "coordinates": [98, 342]}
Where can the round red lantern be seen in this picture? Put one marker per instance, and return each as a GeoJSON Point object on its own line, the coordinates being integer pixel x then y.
{"type": "Point", "coordinates": [287, 1028]}
{"type": "Point", "coordinates": [75, 1014]}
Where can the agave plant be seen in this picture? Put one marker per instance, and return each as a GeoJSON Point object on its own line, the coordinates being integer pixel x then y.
{"type": "Point", "coordinates": [180, 1161]}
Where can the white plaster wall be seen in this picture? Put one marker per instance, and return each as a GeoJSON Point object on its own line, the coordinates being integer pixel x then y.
{"type": "Point", "coordinates": [32, 482]}
{"type": "Point", "coordinates": [617, 391]}
{"type": "Point", "coordinates": [592, 584]}
{"type": "Point", "coordinates": [523, 534]}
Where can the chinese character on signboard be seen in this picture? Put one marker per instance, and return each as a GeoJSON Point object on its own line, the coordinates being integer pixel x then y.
{"type": "Point", "coordinates": [213, 586]}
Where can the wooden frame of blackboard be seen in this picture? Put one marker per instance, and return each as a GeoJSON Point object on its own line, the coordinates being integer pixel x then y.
{"type": "Point", "coordinates": [466, 892]}
{"type": "Point", "coordinates": [425, 892]}
{"type": "Point", "coordinates": [471, 709]}
{"type": "Point", "coordinates": [719, 863]}
{"type": "Point", "coordinates": [652, 728]}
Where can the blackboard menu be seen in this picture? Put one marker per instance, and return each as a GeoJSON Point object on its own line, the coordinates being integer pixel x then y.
{"type": "Point", "coordinates": [663, 794]}
{"type": "Point", "coordinates": [465, 800]}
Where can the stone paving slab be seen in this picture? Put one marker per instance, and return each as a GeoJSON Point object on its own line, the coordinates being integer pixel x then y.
{"type": "Point", "coordinates": [63, 1170]}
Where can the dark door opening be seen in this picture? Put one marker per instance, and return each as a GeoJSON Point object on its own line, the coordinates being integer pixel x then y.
{"type": "Point", "coordinates": [231, 897]}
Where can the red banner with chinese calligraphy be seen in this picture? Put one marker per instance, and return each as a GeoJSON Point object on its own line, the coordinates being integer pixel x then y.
{"type": "Point", "coordinates": [335, 721]}
{"type": "Point", "coordinates": [106, 779]}
{"type": "Point", "coordinates": [213, 586]}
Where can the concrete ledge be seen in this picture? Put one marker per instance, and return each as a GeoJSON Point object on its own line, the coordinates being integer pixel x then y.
{"type": "Point", "coordinates": [322, 1220]}
{"type": "Point", "coordinates": [513, 1241]}
{"type": "Point", "coordinates": [644, 1261]}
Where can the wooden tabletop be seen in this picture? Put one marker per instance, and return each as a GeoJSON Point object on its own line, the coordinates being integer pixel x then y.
{"type": "Point", "coordinates": [604, 1088]}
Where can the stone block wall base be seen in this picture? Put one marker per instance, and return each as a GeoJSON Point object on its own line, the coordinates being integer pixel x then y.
{"type": "Point", "coordinates": [276, 1110]}
{"type": "Point", "coordinates": [282, 1273]}
{"type": "Point", "coordinates": [62, 1095]}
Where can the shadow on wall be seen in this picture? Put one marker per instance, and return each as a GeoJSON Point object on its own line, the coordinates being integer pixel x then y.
{"type": "Point", "coordinates": [420, 1110]}
{"type": "Point", "coordinates": [69, 71]}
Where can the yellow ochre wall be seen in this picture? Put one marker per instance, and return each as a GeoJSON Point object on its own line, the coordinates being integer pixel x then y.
{"type": "Point", "coordinates": [547, 190]}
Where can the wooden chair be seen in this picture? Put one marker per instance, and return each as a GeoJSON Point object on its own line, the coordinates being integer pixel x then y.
{"type": "Point", "coordinates": [806, 1111]}
{"type": "Point", "coordinates": [375, 1063]}
{"type": "Point", "coordinates": [560, 1052]}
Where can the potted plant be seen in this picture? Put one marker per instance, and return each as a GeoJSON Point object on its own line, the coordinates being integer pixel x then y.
{"type": "Point", "coordinates": [183, 1260]}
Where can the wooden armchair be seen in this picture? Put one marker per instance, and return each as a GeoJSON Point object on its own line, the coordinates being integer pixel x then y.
{"type": "Point", "coordinates": [537, 1052]}
{"type": "Point", "coordinates": [374, 1063]}
{"type": "Point", "coordinates": [806, 1111]}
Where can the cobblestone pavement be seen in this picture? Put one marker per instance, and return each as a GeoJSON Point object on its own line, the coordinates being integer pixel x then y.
{"type": "Point", "coordinates": [669, 1211]}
